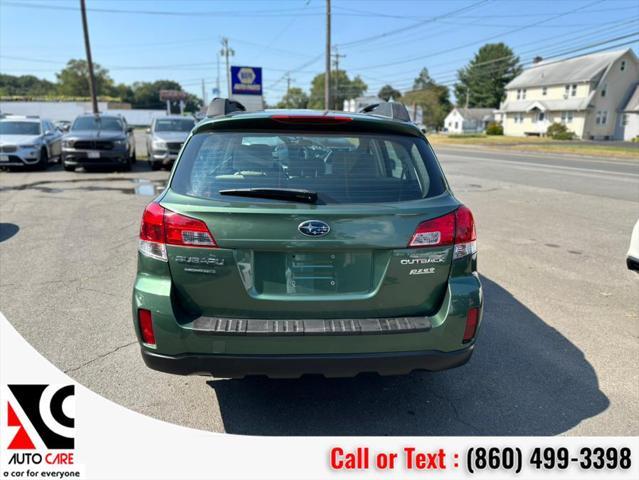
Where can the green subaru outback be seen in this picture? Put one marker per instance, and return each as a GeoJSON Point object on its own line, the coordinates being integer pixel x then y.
{"type": "Point", "coordinates": [301, 242]}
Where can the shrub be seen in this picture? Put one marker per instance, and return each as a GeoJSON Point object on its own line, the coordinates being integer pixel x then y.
{"type": "Point", "coordinates": [494, 128]}
{"type": "Point", "coordinates": [559, 131]}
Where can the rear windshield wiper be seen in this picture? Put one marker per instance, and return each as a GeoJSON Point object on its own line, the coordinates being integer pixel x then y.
{"type": "Point", "coordinates": [288, 194]}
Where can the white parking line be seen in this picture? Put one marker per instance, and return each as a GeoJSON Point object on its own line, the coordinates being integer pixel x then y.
{"type": "Point", "coordinates": [623, 176]}
{"type": "Point", "coordinates": [532, 154]}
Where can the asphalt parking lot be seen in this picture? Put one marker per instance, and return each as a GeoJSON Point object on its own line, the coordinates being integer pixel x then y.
{"type": "Point", "coordinates": [557, 354]}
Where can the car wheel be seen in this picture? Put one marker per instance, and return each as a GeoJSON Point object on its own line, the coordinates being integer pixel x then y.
{"type": "Point", "coordinates": [155, 165]}
{"type": "Point", "coordinates": [43, 160]}
{"type": "Point", "coordinates": [134, 156]}
{"type": "Point", "coordinates": [127, 166]}
{"type": "Point", "coordinates": [68, 168]}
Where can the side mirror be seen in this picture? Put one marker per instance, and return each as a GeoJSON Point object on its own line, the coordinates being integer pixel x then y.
{"type": "Point", "coordinates": [148, 130]}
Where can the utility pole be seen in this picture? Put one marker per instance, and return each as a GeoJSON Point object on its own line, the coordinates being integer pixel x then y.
{"type": "Point", "coordinates": [327, 73]}
{"type": "Point", "coordinates": [226, 52]}
{"type": "Point", "coordinates": [204, 93]}
{"type": "Point", "coordinates": [288, 87]}
{"type": "Point", "coordinates": [87, 46]}
{"type": "Point", "coordinates": [217, 80]}
{"type": "Point", "coordinates": [336, 95]}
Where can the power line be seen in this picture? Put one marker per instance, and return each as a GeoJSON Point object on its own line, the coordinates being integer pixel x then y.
{"type": "Point", "coordinates": [483, 40]}
{"type": "Point", "coordinates": [414, 25]}
{"type": "Point", "coordinates": [539, 49]}
{"type": "Point", "coordinates": [560, 57]}
{"type": "Point", "coordinates": [234, 13]}
{"type": "Point", "coordinates": [477, 17]}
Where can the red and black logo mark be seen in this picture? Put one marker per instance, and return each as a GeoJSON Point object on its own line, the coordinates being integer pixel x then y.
{"type": "Point", "coordinates": [47, 418]}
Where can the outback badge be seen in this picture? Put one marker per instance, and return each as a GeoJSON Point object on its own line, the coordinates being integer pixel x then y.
{"type": "Point", "coordinates": [314, 228]}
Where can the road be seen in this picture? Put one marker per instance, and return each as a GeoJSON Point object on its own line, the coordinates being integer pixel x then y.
{"type": "Point", "coordinates": [557, 355]}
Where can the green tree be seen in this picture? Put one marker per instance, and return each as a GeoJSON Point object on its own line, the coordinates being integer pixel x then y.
{"type": "Point", "coordinates": [387, 92]}
{"type": "Point", "coordinates": [124, 93]}
{"type": "Point", "coordinates": [147, 95]}
{"type": "Point", "coordinates": [294, 98]}
{"type": "Point", "coordinates": [25, 85]}
{"type": "Point", "coordinates": [343, 88]}
{"type": "Point", "coordinates": [73, 80]}
{"type": "Point", "coordinates": [432, 97]}
{"type": "Point", "coordinates": [483, 80]}
{"type": "Point", "coordinates": [423, 80]}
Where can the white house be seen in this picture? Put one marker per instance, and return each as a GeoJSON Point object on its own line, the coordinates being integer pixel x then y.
{"type": "Point", "coordinates": [356, 104]}
{"type": "Point", "coordinates": [588, 94]}
{"type": "Point", "coordinates": [629, 121]}
{"type": "Point", "coordinates": [468, 120]}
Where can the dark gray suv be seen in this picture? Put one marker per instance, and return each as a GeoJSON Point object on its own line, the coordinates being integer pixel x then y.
{"type": "Point", "coordinates": [99, 141]}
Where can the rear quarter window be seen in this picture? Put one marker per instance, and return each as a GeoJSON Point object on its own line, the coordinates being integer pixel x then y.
{"type": "Point", "coordinates": [341, 169]}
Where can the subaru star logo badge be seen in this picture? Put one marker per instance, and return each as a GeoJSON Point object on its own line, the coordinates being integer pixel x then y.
{"type": "Point", "coordinates": [314, 228]}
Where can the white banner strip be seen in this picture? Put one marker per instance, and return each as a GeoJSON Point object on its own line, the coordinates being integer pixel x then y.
{"type": "Point", "coordinates": [112, 442]}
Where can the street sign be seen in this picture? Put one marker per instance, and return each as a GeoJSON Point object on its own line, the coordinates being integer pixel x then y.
{"type": "Point", "coordinates": [246, 80]}
{"type": "Point", "coordinates": [172, 95]}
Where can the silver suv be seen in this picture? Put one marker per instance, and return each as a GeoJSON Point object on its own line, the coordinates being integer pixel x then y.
{"type": "Point", "coordinates": [165, 139]}
{"type": "Point", "coordinates": [28, 141]}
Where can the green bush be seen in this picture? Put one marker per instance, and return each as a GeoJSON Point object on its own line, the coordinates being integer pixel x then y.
{"type": "Point", "coordinates": [559, 131]}
{"type": "Point", "coordinates": [635, 140]}
{"type": "Point", "coordinates": [494, 128]}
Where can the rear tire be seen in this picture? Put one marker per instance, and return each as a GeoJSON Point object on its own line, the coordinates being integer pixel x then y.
{"type": "Point", "coordinates": [127, 166]}
{"type": "Point", "coordinates": [155, 165]}
{"type": "Point", "coordinates": [68, 168]}
{"type": "Point", "coordinates": [43, 160]}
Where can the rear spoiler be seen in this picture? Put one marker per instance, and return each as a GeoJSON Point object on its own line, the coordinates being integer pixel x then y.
{"type": "Point", "coordinates": [223, 106]}
{"type": "Point", "coordinates": [393, 110]}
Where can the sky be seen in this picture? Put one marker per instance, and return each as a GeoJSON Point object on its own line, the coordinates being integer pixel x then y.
{"type": "Point", "coordinates": [383, 41]}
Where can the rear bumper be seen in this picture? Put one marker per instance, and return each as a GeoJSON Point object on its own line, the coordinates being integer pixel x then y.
{"type": "Point", "coordinates": [294, 366]}
{"type": "Point", "coordinates": [232, 347]}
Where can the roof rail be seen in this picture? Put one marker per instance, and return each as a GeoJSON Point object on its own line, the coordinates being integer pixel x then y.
{"type": "Point", "coordinates": [223, 106]}
{"type": "Point", "coordinates": [394, 110]}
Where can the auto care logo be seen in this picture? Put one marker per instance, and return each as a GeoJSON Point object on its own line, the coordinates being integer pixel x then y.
{"type": "Point", "coordinates": [40, 417]}
{"type": "Point", "coordinates": [48, 411]}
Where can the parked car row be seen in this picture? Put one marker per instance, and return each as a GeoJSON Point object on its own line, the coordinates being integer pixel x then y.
{"type": "Point", "coordinates": [104, 140]}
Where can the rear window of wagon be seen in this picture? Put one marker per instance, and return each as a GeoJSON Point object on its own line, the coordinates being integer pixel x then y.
{"type": "Point", "coordinates": [340, 168]}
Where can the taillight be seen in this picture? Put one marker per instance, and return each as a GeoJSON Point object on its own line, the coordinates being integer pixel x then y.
{"type": "Point", "coordinates": [465, 234]}
{"type": "Point", "coordinates": [161, 227]}
{"type": "Point", "coordinates": [152, 233]}
{"type": "Point", "coordinates": [186, 231]}
{"type": "Point", "coordinates": [434, 233]}
{"type": "Point", "coordinates": [145, 322]}
{"type": "Point", "coordinates": [456, 228]}
{"type": "Point", "coordinates": [472, 318]}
